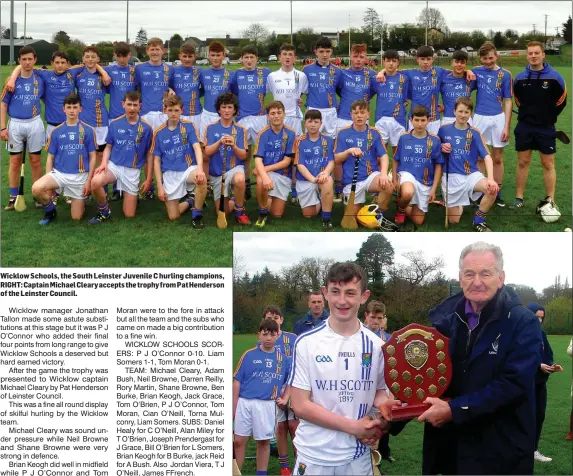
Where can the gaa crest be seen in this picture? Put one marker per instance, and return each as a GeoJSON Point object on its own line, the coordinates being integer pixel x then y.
{"type": "Point", "coordinates": [366, 360]}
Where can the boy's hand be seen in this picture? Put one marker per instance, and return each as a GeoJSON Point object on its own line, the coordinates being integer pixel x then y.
{"type": "Point", "coordinates": [267, 183]}
{"type": "Point", "coordinates": [492, 187]}
{"type": "Point", "coordinates": [11, 85]}
{"type": "Point", "coordinates": [4, 135]}
{"type": "Point", "coordinates": [446, 147]}
{"type": "Point", "coordinates": [355, 151]}
{"type": "Point", "coordinates": [200, 176]}
{"type": "Point", "coordinates": [282, 402]}
{"type": "Point", "coordinates": [161, 195]}
{"type": "Point", "coordinates": [87, 189]}
{"type": "Point", "coordinates": [102, 169]}
{"type": "Point", "coordinates": [145, 186]}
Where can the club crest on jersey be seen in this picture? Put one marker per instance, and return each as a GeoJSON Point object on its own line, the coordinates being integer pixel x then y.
{"type": "Point", "coordinates": [495, 346]}
{"type": "Point", "coordinates": [545, 85]}
{"type": "Point", "coordinates": [301, 469]}
{"type": "Point", "coordinates": [366, 359]}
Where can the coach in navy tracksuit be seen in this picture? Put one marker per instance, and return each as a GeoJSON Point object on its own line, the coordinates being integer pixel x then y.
{"type": "Point", "coordinates": [489, 425]}
{"type": "Point", "coordinates": [540, 95]}
{"type": "Point", "coordinates": [314, 317]}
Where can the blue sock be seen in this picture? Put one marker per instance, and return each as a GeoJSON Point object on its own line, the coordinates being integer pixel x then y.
{"type": "Point", "coordinates": [115, 187]}
{"type": "Point", "coordinates": [49, 207]}
{"type": "Point", "coordinates": [338, 186]}
{"type": "Point", "coordinates": [499, 192]}
{"type": "Point", "coordinates": [196, 213]}
{"type": "Point", "coordinates": [480, 216]}
{"type": "Point", "coordinates": [152, 188]}
{"type": "Point", "coordinates": [239, 210]}
{"type": "Point", "coordinates": [293, 192]}
{"type": "Point", "coordinates": [263, 211]}
{"type": "Point", "coordinates": [326, 215]}
{"type": "Point", "coordinates": [191, 202]}
{"type": "Point", "coordinates": [261, 472]}
{"type": "Point", "coordinates": [13, 192]}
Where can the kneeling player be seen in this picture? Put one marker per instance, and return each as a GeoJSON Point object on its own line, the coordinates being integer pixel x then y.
{"type": "Point", "coordinates": [70, 163]}
{"type": "Point", "coordinates": [226, 147]}
{"type": "Point", "coordinates": [178, 164]}
{"type": "Point", "coordinates": [127, 151]}
{"type": "Point", "coordinates": [416, 169]}
{"type": "Point", "coordinates": [273, 155]}
{"type": "Point", "coordinates": [369, 156]}
{"type": "Point", "coordinates": [463, 179]}
{"type": "Point", "coordinates": [314, 160]}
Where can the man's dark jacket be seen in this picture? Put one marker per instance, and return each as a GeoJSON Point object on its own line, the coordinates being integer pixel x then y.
{"type": "Point", "coordinates": [307, 322]}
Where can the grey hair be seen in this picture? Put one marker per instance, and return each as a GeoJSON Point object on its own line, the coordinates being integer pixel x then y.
{"type": "Point", "coordinates": [483, 247]}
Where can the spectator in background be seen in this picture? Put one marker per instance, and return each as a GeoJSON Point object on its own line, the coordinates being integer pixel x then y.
{"type": "Point", "coordinates": [314, 316]}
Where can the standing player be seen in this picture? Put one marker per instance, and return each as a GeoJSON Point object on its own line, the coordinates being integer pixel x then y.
{"type": "Point", "coordinates": [494, 105]}
{"type": "Point", "coordinates": [226, 147]}
{"type": "Point", "coordinates": [186, 82]}
{"type": "Point", "coordinates": [314, 161]}
{"type": "Point", "coordinates": [455, 84]}
{"type": "Point", "coordinates": [25, 125]}
{"type": "Point", "coordinates": [323, 78]}
{"type": "Point", "coordinates": [273, 155]}
{"type": "Point", "coordinates": [122, 76]}
{"type": "Point", "coordinates": [375, 319]}
{"type": "Point", "coordinates": [261, 374]}
{"type": "Point", "coordinates": [417, 169]}
{"type": "Point", "coordinates": [465, 145]}
{"type": "Point", "coordinates": [363, 143]}
{"type": "Point", "coordinates": [70, 163]}
{"type": "Point", "coordinates": [126, 153]}
{"type": "Point", "coordinates": [178, 163]}
{"type": "Point", "coordinates": [541, 95]}
{"type": "Point", "coordinates": [332, 411]}
{"type": "Point", "coordinates": [249, 84]}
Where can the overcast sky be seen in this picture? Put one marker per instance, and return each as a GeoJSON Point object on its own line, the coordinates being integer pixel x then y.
{"type": "Point", "coordinates": [106, 20]}
{"type": "Point", "coordinates": [533, 259]}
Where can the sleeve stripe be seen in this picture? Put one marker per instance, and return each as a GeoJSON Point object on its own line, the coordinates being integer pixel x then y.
{"type": "Point", "coordinates": [263, 130]}
{"type": "Point", "coordinates": [562, 98]}
{"type": "Point", "coordinates": [241, 360]}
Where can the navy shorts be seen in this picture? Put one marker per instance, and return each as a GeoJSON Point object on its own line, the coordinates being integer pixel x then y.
{"type": "Point", "coordinates": [534, 138]}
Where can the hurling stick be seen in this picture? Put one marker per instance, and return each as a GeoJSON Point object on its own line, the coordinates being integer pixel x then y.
{"type": "Point", "coordinates": [20, 204]}
{"type": "Point", "coordinates": [221, 218]}
{"type": "Point", "coordinates": [349, 219]}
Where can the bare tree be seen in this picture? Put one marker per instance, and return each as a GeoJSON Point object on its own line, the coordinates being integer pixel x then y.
{"type": "Point", "coordinates": [238, 265]}
{"type": "Point", "coordinates": [419, 270]}
{"type": "Point", "coordinates": [433, 17]}
{"type": "Point", "coordinates": [256, 33]}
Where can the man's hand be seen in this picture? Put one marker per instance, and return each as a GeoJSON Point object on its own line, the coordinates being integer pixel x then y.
{"type": "Point", "coordinates": [4, 135]}
{"type": "Point", "coordinates": [355, 151]}
{"type": "Point", "coordinates": [505, 134]}
{"type": "Point", "coordinates": [446, 147]}
{"type": "Point", "coordinates": [145, 186]}
{"type": "Point", "coordinates": [557, 368]}
{"type": "Point", "coordinates": [492, 187]}
{"type": "Point", "coordinates": [200, 177]}
{"type": "Point", "coordinates": [438, 414]}
{"type": "Point", "coordinates": [547, 369]}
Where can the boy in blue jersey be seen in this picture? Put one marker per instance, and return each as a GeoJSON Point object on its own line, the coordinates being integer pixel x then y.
{"type": "Point", "coordinates": [455, 84]}
{"type": "Point", "coordinates": [122, 77]}
{"type": "Point", "coordinates": [464, 146]}
{"type": "Point", "coordinates": [25, 125]}
{"type": "Point", "coordinates": [375, 319]}
{"type": "Point", "coordinates": [187, 85]}
{"type": "Point", "coordinates": [314, 161]}
{"type": "Point", "coordinates": [70, 164]}
{"type": "Point", "coordinates": [323, 78]}
{"type": "Point", "coordinates": [249, 84]}
{"type": "Point", "coordinates": [362, 143]}
{"type": "Point", "coordinates": [274, 152]}
{"type": "Point", "coordinates": [494, 105]}
{"type": "Point", "coordinates": [127, 151]}
{"type": "Point", "coordinates": [226, 147]}
{"type": "Point", "coordinates": [178, 164]}
{"type": "Point", "coordinates": [417, 169]}
{"type": "Point", "coordinates": [259, 378]}
{"type": "Point", "coordinates": [391, 97]}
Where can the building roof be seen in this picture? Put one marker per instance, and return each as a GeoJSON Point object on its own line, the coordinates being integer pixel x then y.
{"type": "Point", "coordinates": [195, 39]}
{"type": "Point", "coordinates": [329, 34]}
{"type": "Point", "coordinates": [225, 41]}
{"type": "Point", "coordinates": [6, 42]}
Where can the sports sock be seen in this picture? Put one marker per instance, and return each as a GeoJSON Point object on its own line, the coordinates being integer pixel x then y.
{"type": "Point", "coordinates": [49, 207]}
{"type": "Point", "coordinates": [239, 210]}
{"type": "Point", "coordinates": [480, 217]}
{"type": "Point", "coordinates": [13, 192]}
{"type": "Point", "coordinates": [191, 202]}
{"type": "Point", "coordinates": [325, 216]}
{"type": "Point", "coordinates": [283, 460]}
{"type": "Point", "coordinates": [401, 210]}
{"type": "Point", "coordinates": [196, 213]}
{"type": "Point", "coordinates": [106, 188]}
{"type": "Point", "coordinates": [115, 187]}
{"type": "Point", "coordinates": [263, 211]}
{"type": "Point", "coordinates": [293, 192]}
{"type": "Point", "coordinates": [261, 472]}
{"type": "Point", "coordinates": [338, 186]}
{"type": "Point", "coordinates": [104, 208]}
{"type": "Point", "coordinates": [499, 191]}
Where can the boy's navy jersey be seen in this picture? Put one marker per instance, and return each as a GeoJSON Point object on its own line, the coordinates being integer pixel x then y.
{"type": "Point", "coordinates": [493, 86]}
{"type": "Point", "coordinates": [273, 147]}
{"type": "Point", "coordinates": [354, 85]}
{"type": "Point", "coordinates": [175, 147]}
{"type": "Point", "coordinates": [91, 92]}
{"type": "Point", "coordinates": [215, 83]}
{"type": "Point", "coordinates": [322, 84]}
{"type": "Point", "coordinates": [186, 83]}
{"type": "Point", "coordinates": [468, 146]}
{"type": "Point", "coordinates": [122, 81]}
{"type": "Point", "coordinates": [71, 146]}
{"type": "Point", "coordinates": [391, 97]}
{"type": "Point", "coordinates": [540, 96]}
{"type": "Point", "coordinates": [425, 88]}
{"type": "Point", "coordinates": [152, 82]}
{"type": "Point", "coordinates": [130, 143]}
{"type": "Point", "coordinates": [453, 88]}
{"type": "Point", "coordinates": [262, 374]}
{"type": "Point", "coordinates": [214, 132]}
{"type": "Point", "coordinates": [419, 156]}
{"type": "Point", "coordinates": [56, 88]}
{"type": "Point", "coordinates": [250, 88]}
{"type": "Point", "coordinates": [314, 155]}
{"type": "Point", "coordinates": [372, 147]}
{"type": "Point", "coordinates": [24, 102]}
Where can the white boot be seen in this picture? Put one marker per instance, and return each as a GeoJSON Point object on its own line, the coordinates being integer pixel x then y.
{"type": "Point", "coordinates": [537, 456]}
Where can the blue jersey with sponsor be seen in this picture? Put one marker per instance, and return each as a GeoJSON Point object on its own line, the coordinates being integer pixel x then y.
{"type": "Point", "coordinates": [285, 343]}
{"type": "Point", "coordinates": [262, 374]}
{"type": "Point", "coordinates": [468, 146]}
{"type": "Point", "coordinates": [419, 156]}
{"type": "Point", "coordinates": [391, 97]}
{"type": "Point", "coordinates": [370, 142]}
{"type": "Point", "coordinates": [153, 83]}
{"type": "Point", "coordinates": [215, 83]}
{"type": "Point", "coordinates": [122, 81]}
{"type": "Point", "coordinates": [250, 88]}
{"type": "Point", "coordinates": [24, 102]}
{"type": "Point", "coordinates": [175, 147]}
{"type": "Point", "coordinates": [71, 146]}
{"type": "Point", "coordinates": [92, 91]}
{"type": "Point", "coordinates": [56, 88]}
{"type": "Point", "coordinates": [225, 152]}
{"type": "Point", "coordinates": [187, 85]}
{"type": "Point", "coordinates": [314, 155]}
{"type": "Point", "coordinates": [453, 88]}
{"type": "Point", "coordinates": [493, 86]}
{"type": "Point", "coordinates": [130, 143]}
{"type": "Point", "coordinates": [272, 147]}
{"type": "Point", "coordinates": [425, 88]}
{"type": "Point", "coordinates": [322, 84]}
{"type": "Point", "coordinates": [354, 85]}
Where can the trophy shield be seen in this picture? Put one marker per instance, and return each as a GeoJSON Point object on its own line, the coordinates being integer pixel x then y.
{"type": "Point", "coordinates": [417, 365]}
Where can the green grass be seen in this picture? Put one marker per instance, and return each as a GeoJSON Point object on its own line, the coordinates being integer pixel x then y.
{"type": "Point", "coordinates": [150, 240]}
{"type": "Point", "coordinates": [407, 446]}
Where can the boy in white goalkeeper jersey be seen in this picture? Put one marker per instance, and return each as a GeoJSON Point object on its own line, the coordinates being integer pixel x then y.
{"type": "Point", "coordinates": [337, 377]}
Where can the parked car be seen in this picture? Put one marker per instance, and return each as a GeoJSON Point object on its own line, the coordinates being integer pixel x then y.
{"type": "Point", "coordinates": [176, 62]}
{"type": "Point", "coordinates": [273, 58]}
{"type": "Point", "coordinates": [134, 60]}
{"type": "Point", "coordinates": [202, 61]}
{"type": "Point", "coordinates": [451, 50]}
{"type": "Point", "coordinates": [469, 48]}
{"type": "Point", "coordinates": [412, 51]}
{"type": "Point", "coordinates": [402, 54]}
{"type": "Point", "coordinates": [442, 53]}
